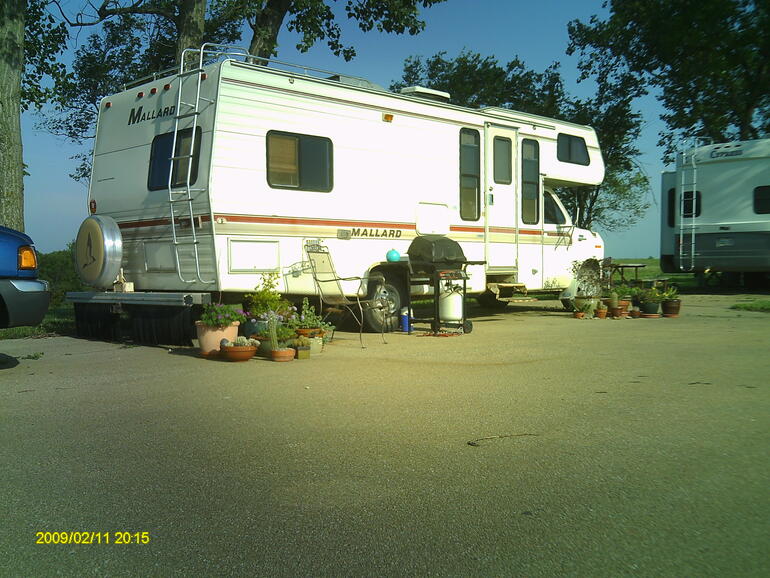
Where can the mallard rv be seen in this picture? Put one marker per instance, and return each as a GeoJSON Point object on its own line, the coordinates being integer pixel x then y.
{"type": "Point", "coordinates": [208, 178]}
{"type": "Point", "coordinates": [715, 211]}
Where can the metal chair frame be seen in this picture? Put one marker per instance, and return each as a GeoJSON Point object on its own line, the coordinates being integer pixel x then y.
{"type": "Point", "coordinates": [330, 290]}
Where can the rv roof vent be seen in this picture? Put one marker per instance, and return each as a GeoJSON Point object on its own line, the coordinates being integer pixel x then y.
{"type": "Point", "coordinates": [355, 81]}
{"type": "Point", "coordinates": [426, 93]}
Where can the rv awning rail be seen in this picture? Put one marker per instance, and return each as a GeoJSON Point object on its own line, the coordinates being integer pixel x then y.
{"type": "Point", "coordinates": [139, 298]}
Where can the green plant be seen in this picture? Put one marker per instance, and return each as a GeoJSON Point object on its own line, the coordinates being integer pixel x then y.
{"type": "Point", "coordinates": [650, 295]}
{"type": "Point", "coordinates": [669, 293]}
{"type": "Point", "coordinates": [241, 341]}
{"type": "Point", "coordinates": [587, 307]}
{"type": "Point", "coordinates": [601, 306]}
{"type": "Point", "coordinates": [266, 298]}
{"type": "Point", "coordinates": [220, 315]}
{"type": "Point", "coordinates": [301, 341]}
{"type": "Point", "coordinates": [308, 318]}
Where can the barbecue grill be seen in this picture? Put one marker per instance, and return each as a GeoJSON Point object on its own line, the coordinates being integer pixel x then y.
{"type": "Point", "coordinates": [436, 260]}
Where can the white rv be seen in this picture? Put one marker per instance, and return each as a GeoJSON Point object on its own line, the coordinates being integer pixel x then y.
{"type": "Point", "coordinates": [715, 210]}
{"type": "Point", "coordinates": [208, 178]}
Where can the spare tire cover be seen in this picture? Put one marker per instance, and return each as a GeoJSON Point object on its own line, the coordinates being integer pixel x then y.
{"type": "Point", "coordinates": [98, 251]}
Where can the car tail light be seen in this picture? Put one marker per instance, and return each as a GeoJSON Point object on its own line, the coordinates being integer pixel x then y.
{"type": "Point", "coordinates": [27, 258]}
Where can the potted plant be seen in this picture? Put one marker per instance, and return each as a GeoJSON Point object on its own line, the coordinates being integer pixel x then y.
{"type": "Point", "coordinates": [601, 310]}
{"type": "Point", "coordinates": [670, 302]}
{"type": "Point", "coordinates": [635, 313]}
{"type": "Point", "coordinates": [649, 302]}
{"type": "Point", "coordinates": [308, 322]}
{"type": "Point", "coordinates": [217, 322]}
{"type": "Point", "coordinates": [588, 282]}
{"type": "Point", "coordinates": [262, 300]}
{"type": "Point", "coordinates": [584, 310]}
{"type": "Point", "coordinates": [278, 352]}
{"type": "Point", "coordinates": [242, 349]}
{"type": "Point", "coordinates": [302, 346]}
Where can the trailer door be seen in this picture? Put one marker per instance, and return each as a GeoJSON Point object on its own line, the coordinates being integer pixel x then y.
{"type": "Point", "coordinates": [500, 217]}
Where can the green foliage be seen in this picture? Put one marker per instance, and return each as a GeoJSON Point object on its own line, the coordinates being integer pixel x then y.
{"type": "Point", "coordinates": [58, 268]}
{"type": "Point", "coordinates": [266, 298]}
{"type": "Point", "coordinates": [706, 59]}
{"type": "Point", "coordinates": [650, 295]}
{"type": "Point", "coordinates": [308, 318]}
{"type": "Point", "coordinates": [220, 315]}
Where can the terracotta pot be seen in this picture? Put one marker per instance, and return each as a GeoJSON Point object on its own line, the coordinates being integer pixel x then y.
{"type": "Point", "coordinates": [238, 352]}
{"type": "Point", "coordinates": [600, 313]}
{"type": "Point", "coordinates": [284, 354]}
{"type": "Point", "coordinates": [635, 313]}
{"type": "Point", "coordinates": [308, 332]}
{"type": "Point", "coordinates": [578, 314]}
{"type": "Point", "coordinates": [615, 312]}
{"type": "Point", "coordinates": [210, 337]}
{"type": "Point", "coordinates": [671, 307]}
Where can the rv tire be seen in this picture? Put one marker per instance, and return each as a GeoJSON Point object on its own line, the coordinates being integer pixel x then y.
{"type": "Point", "coordinates": [392, 294]}
{"type": "Point", "coordinates": [489, 300]}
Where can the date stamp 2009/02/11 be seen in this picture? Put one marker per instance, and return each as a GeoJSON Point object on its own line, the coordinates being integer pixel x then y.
{"type": "Point", "coordinates": [88, 537]}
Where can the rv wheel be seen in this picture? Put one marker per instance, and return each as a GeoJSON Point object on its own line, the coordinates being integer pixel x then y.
{"type": "Point", "coordinates": [489, 300]}
{"type": "Point", "coordinates": [391, 294]}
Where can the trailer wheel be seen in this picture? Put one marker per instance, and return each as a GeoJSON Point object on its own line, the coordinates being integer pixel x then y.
{"type": "Point", "coordinates": [392, 294]}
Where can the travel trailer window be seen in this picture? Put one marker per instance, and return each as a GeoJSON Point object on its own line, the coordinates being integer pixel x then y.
{"type": "Point", "coordinates": [671, 207]}
{"type": "Point", "coordinates": [572, 149]}
{"type": "Point", "coordinates": [552, 213]}
{"type": "Point", "coordinates": [160, 157]}
{"type": "Point", "coordinates": [503, 160]}
{"type": "Point", "coordinates": [762, 200]}
{"type": "Point", "coordinates": [530, 181]}
{"type": "Point", "coordinates": [299, 161]}
{"type": "Point", "coordinates": [470, 174]}
{"type": "Point", "coordinates": [687, 209]}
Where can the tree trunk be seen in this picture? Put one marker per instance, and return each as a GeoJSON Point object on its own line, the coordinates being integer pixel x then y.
{"type": "Point", "coordinates": [11, 69]}
{"type": "Point", "coordinates": [190, 23]}
{"type": "Point", "coordinates": [265, 25]}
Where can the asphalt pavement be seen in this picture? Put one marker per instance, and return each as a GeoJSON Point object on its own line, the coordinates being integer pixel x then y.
{"type": "Point", "coordinates": [634, 447]}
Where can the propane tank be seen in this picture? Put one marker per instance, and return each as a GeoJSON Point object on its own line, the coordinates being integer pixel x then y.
{"type": "Point", "coordinates": [450, 304]}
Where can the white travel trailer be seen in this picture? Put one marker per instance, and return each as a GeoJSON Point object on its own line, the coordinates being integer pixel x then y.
{"type": "Point", "coordinates": [207, 179]}
{"type": "Point", "coordinates": [715, 210]}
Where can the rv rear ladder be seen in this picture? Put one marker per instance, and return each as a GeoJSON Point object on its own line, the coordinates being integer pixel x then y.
{"type": "Point", "coordinates": [687, 208]}
{"type": "Point", "coordinates": [183, 192]}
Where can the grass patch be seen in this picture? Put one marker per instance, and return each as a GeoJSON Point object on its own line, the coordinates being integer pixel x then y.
{"type": "Point", "coordinates": [762, 305]}
{"type": "Point", "coordinates": [58, 321]}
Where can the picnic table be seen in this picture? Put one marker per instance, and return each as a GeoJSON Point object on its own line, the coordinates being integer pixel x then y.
{"type": "Point", "coordinates": [621, 268]}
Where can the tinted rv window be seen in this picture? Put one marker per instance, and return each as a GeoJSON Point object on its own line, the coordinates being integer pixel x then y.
{"type": "Point", "coordinates": [552, 213]}
{"type": "Point", "coordinates": [762, 200]}
{"type": "Point", "coordinates": [503, 168]}
{"type": "Point", "coordinates": [671, 207]}
{"type": "Point", "coordinates": [470, 174]}
{"type": "Point", "coordinates": [160, 159]}
{"type": "Point", "coordinates": [530, 181]}
{"type": "Point", "coordinates": [572, 149]}
{"type": "Point", "coordinates": [299, 161]}
{"type": "Point", "coordinates": [687, 208]}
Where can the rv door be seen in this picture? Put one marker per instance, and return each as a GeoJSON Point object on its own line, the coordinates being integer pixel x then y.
{"type": "Point", "coordinates": [500, 219]}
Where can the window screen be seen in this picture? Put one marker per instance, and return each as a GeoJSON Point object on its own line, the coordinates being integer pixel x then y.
{"type": "Point", "coordinates": [160, 159]}
{"type": "Point", "coordinates": [470, 174]}
{"type": "Point", "coordinates": [762, 200]}
{"type": "Point", "coordinates": [503, 167]}
{"type": "Point", "coordinates": [671, 207]}
{"type": "Point", "coordinates": [572, 149]}
{"type": "Point", "coordinates": [530, 181]}
{"type": "Point", "coordinates": [299, 161]}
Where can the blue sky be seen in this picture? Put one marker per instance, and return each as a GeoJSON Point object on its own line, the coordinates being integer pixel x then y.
{"type": "Point", "coordinates": [536, 32]}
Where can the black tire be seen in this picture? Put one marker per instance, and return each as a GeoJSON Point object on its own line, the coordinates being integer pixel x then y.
{"type": "Point", "coordinates": [391, 294]}
{"type": "Point", "coordinates": [488, 300]}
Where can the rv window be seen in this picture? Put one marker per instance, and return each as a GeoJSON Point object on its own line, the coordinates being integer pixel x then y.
{"type": "Point", "coordinates": [762, 200]}
{"type": "Point", "coordinates": [530, 181]}
{"type": "Point", "coordinates": [572, 149]}
{"type": "Point", "coordinates": [470, 174]}
{"type": "Point", "coordinates": [552, 213]}
{"type": "Point", "coordinates": [671, 207]}
{"type": "Point", "coordinates": [160, 159]}
{"type": "Point", "coordinates": [299, 161]}
{"type": "Point", "coordinates": [503, 168]}
{"type": "Point", "coordinates": [687, 207]}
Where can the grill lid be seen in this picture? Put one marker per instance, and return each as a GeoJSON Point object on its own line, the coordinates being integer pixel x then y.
{"type": "Point", "coordinates": [436, 249]}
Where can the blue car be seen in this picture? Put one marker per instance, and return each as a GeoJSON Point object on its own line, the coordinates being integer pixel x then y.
{"type": "Point", "coordinates": [23, 297]}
